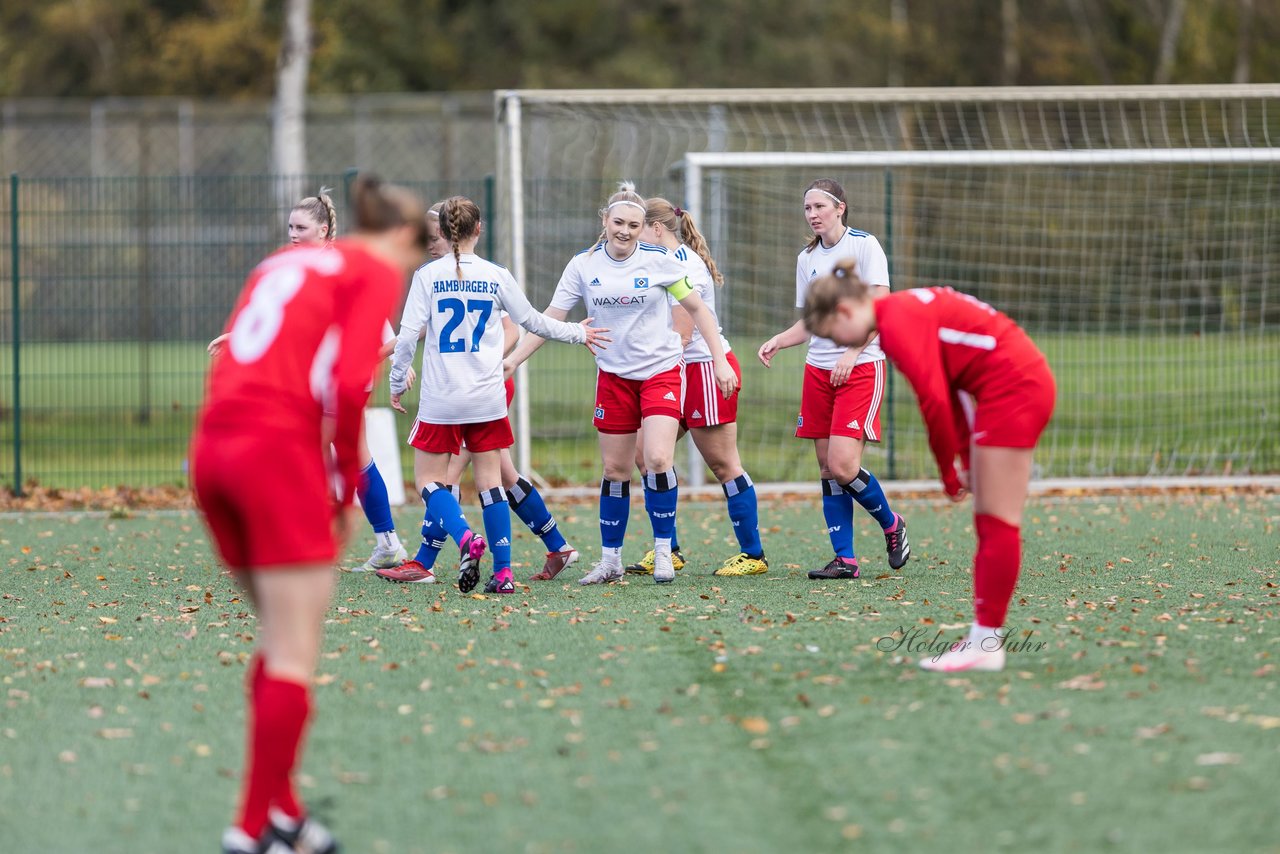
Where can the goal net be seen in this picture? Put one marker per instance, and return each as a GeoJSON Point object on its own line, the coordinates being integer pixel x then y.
{"type": "Point", "coordinates": [1132, 232]}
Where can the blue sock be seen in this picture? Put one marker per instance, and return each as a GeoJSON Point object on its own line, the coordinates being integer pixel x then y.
{"type": "Point", "coordinates": [866, 490]}
{"type": "Point", "coordinates": [497, 526]}
{"type": "Point", "coordinates": [434, 534]}
{"type": "Point", "coordinates": [661, 492]}
{"type": "Point", "coordinates": [740, 495]}
{"type": "Point", "coordinates": [442, 504]}
{"type": "Point", "coordinates": [532, 510]}
{"type": "Point", "coordinates": [433, 539]}
{"type": "Point", "coordinates": [372, 490]}
{"type": "Point", "coordinates": [615, 506]}
{"type": "Point", "coordinates": [837, 509]}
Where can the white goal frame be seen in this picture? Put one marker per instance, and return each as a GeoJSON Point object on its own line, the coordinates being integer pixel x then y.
{"type": "Point", "coordinates": [696, 164]}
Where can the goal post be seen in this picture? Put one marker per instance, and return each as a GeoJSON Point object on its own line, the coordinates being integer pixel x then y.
{"type": "Point", "coordinates": [1131, 229]}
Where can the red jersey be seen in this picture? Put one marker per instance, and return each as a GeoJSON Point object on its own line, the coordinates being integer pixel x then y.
{"type": "Point", "coordinates": [305, 334]}
{"type": "Point", "coordinates": [946, 342]}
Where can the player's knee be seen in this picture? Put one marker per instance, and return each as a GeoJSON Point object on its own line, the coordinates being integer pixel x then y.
{"type": "Point", "coordinates": [661, 461]}
{"type": "Point", "coordinates": [725, 470]}
{"type": "Point", "coordinates": [617, 472]}
{"type": "Point", "coordinates": [844, 470]}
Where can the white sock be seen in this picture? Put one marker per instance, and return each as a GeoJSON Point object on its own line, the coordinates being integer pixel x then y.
{"type": "Point", "coordinates": [388, 541]}
{"type": "Point", "coordinates": [568, 548]}
{"type": "Point", "coordinates": [611, 556]}
{"type": "Point", "coordinates": [985, 638]}
{"type": "Point", "coordinates": [662, 544]}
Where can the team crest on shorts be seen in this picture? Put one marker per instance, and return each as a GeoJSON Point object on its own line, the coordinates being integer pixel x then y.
{"type": "Point", "coordinates": [641, 282]}
{"type": "Point", "coordinates": [799, 420]}
{"type": "Point", "coordinates": [599, 412]}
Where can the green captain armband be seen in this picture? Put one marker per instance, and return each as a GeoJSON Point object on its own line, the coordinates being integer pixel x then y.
{"type": "Point", "coordinates": [680, 289]}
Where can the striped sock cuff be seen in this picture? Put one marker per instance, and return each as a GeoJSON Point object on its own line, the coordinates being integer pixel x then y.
{"type": "Point", "coordinates": [519, 491]}
{"type": "Point", "coordinates": [860, 482]}
{"type": "Point", "coordinates": [615, 488]}
{"type": "Point", "coordinates": [738, 485]}
{"type": "Point", "coordinates": [456, 490]}
{"type": "Point", "coordinates": [489, 497]}
{"type": "Point", "coordinates": [831, 487]}
{"type": "Point", "coordinates": [432, 487]}
{"type": "Point", "coordinates": [662, 481]}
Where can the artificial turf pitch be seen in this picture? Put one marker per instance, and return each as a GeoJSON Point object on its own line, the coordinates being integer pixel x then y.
{"type": "Point", "coordinates": [754, 714]}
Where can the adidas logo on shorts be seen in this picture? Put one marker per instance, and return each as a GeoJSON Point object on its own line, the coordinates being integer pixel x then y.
{"type": "Point", "coordinates": [853, 425]}
{"type": "Point", "coordinates": [669, 396]}
{"type": "Point", "coordinates": [696, 414]}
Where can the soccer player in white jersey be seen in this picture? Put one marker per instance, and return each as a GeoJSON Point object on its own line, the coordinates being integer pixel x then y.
{"type": "Point", "coordinates": [843, 386]}
{"type": "Point", "coordinates": [458, 301]}
{"type": "Point", "coordinates": [624, 283]}
{"type": "Point", "coordinates": [522, 496]}
{"type": "Point", "coordinates": [710, 419]}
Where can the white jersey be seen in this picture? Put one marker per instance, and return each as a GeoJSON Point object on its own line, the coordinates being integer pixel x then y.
{"type": "Point", "coordinates": [873, 268]}
{"type": "Point", "coordinates": [462, 356]}
{"type": "Point", "coordinates": [700, 280]}
{"type": "Point", "coordinates": [626, 297]}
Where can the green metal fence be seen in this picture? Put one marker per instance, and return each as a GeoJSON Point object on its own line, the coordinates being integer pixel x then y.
{"type": "Point", "coordinates": [115, 286]}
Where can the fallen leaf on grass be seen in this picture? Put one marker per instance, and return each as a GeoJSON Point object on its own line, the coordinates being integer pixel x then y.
{"type": "Point", "coordinates": [755, 725]}
{"type": "Point", "coordinates": [115, 733]}
{"type": "Point", "coordinates": [1218, 759]}
{"type": "Point", "coordinates": [1083, 682]}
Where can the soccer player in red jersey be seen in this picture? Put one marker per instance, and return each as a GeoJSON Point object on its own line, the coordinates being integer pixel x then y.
{"type": "Point", "coordinates": [314, 222]}
{"type": "Point", "coordinates": [304, 340]}
{"type": "Point", "coordinates": [986, 394]}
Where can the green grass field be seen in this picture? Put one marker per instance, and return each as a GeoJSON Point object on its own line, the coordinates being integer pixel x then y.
{"type": "Point", "coordinates": [1153, 404]}
{"type": "Point", "coordinates": [757, 714]}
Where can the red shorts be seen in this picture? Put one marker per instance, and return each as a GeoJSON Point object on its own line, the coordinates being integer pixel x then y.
{"type": "Point", "coordinates": [704, 405]}
{"type": "Point", "coordinates": [852, 409]}
{"type": "Point", "coordinates": [511, 390]}
{"type": "Point", "coordinates": [621, 404]}
{"type": "Point", "coordinates": [449, 438]}
{"type": "Point", "coordinates": [266, 503]}
{"type": "Point", "coordinates": [1015, 416]}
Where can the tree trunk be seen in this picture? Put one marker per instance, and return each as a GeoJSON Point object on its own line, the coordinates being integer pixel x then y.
{"type": "Point", "coordinates": [1169, 40]}
{"type": "Point", "coordinates": [898, 25]}
{"type": "Point", "coordinates": [1244, 35]}
{"type": "Point", "coordinates": [1011, 62]}
{"type": "Point", "coordinates": [289, 162]}
{"type": "Point", "coordinates": [1081, 17]}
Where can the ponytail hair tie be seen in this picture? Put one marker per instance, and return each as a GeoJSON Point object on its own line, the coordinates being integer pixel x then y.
{"type": "Point", "coordinates": [679, 212]}
{"type": "Point", "coordinates": [840, 272]}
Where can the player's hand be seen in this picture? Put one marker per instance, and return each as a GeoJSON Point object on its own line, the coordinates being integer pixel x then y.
{"type": "Point", "coordinates": [958, 496]}
{"type": "Point", "coordinates": [215, 346]}
{"type": "Point", "coordinates": [409, 379]}
{"type": "Point", "coordinates": [395, 404]}
{"type": "Point", "coordinates": [767, 351]}
{"type": "Point", "coordinates": [844, 367]}
{"type": "Point", "coordinates": [962, 475]}
{"type": "Point", "coordinates": [596, 339]}
{"type": "Point", "coordinates": [726, 379]}
{"type": "Point", "coordinates": [508, 369]}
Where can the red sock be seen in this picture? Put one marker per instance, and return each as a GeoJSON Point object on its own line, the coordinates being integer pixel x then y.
{"type": "Point", "coordinates": [995, 568]}
{"type": "Point", "coordinates": [278, 718]}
